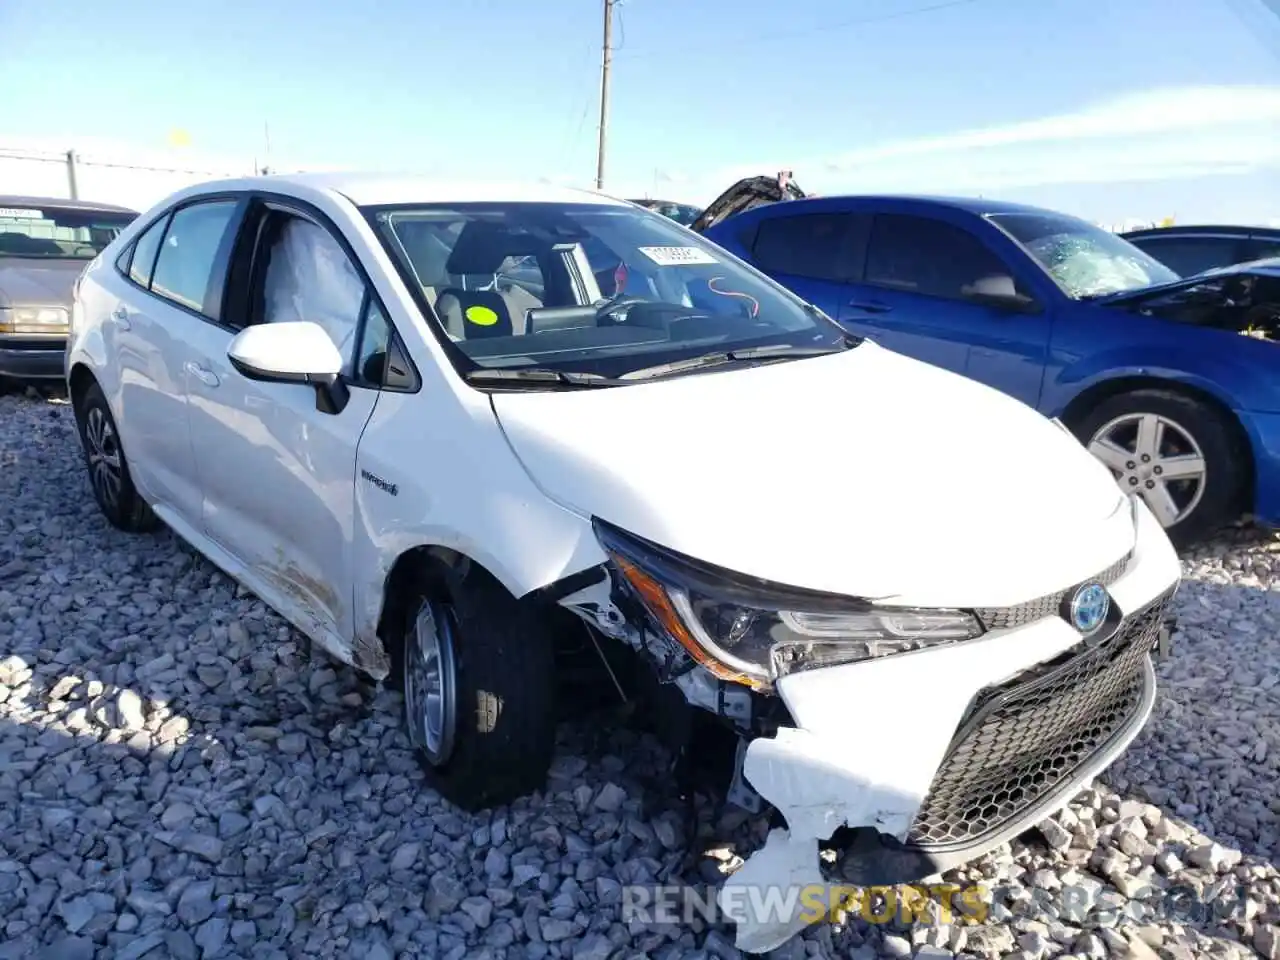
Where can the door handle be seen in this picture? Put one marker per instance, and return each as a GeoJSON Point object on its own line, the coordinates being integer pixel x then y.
{"type": "Point", "coordinates": [121, 316]}
{"type": "Point", "coordinates": [870, 306]}
{"type": "Point", "coordinates": [204, 375]}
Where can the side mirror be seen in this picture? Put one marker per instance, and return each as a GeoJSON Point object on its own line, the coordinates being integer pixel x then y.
{"type": "Point", "coordinates": [1011, 302]}
{"type": "Point", "coordinates": [293, 352]}
{"type": "Point", "coordinates": [1000, 292]}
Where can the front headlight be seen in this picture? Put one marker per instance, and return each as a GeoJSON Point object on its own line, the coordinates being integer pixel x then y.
{"type": "Point", "coordinates": [749, 631]}
{"type": "Point", "coordinates": [33, 320]}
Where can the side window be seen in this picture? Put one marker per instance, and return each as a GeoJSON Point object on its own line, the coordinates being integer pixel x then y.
{"type": "Point", "coordinates": [921, 255]}
{"type": "Point", "coordinates": [820, 246]}
{"type": "Point", "coordinates": [144, 253]}
{"type": "Point", "coordinates": [1187, 256]}
{"type": "Point", "coordinates": [309, 277]}
{"type": "Point", "coordinates": [371, 361]}
{"type": "Point", "coordinates": [381, 361]}
{"type": "Point", "coordinates": [1261, 250]}
{"type": "Point", "coordinates": [184, 267]}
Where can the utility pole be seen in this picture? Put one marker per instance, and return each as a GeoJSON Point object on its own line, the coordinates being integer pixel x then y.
{"type": "Point", "coordinates": [73, 182]}
{"type": "Point", "coordinates": [605, 62]}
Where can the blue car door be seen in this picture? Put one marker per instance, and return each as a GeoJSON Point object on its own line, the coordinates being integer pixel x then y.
{"type": "Point", "coordinates": [815, 255]}
{"type": "Point", "coordinates": [934, 291]}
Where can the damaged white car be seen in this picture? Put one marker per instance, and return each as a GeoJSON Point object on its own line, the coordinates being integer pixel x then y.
{"type": "Point", "coordinates": [419, 422]}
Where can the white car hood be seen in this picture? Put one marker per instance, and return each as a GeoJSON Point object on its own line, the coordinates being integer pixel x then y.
{"type": "Point", "coordinates": [863, 473]}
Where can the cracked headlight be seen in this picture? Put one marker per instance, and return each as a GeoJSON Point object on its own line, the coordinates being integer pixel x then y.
{"type": "Point", "coordinates": [750, 631]}
{"type": "Point", "coordinates": [33, 320]}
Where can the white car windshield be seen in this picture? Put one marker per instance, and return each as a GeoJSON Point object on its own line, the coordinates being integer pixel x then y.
{"type": "Point", "coordinates": [1084, 260]}
{"type": "Point", "coordinates": [587, 288]}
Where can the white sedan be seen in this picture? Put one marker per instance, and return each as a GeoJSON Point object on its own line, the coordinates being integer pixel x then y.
{"type": "Point", "coordinates": [416, 421]}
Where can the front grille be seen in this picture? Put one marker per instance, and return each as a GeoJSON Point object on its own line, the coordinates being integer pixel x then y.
{"type": "Point", "coordinates": [1003, 618]}
{"type": "Point", "coordinates": [1022, 740]}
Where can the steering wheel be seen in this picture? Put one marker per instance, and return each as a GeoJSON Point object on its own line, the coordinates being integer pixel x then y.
{"type": "Point", "coordinates": [619, 301]}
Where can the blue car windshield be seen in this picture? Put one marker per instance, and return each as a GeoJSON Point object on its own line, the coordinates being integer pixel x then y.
{"type": "Point", "coordinates": [1083, 259]}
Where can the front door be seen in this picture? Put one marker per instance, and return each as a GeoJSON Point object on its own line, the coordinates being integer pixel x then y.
{"type": "Point", "coordinates": [922, 295]}
{"type": "Point", "coordinates": [277, 473]}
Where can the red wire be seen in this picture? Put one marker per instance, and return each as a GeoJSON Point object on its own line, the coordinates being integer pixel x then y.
{"type": "Point", "coordinates": [755, 304]}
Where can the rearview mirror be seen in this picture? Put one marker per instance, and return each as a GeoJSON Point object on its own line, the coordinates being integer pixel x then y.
{"type": "Point", "coordinates": [293, 352]}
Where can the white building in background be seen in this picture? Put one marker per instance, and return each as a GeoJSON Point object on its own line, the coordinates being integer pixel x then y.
{"type": "Point", "coordinates": [109, 172]}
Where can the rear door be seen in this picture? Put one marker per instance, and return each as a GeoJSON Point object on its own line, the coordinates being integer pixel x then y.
{"type": "Point", "coordinates": [816, 255]}
{"type": "Point", "coordinates": [174, 276]}
{"type": "Point", "coordinates": [917, 296]}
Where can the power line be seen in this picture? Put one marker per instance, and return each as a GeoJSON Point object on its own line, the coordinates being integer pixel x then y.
{"type": "Point", "coordinates": [826, 27]}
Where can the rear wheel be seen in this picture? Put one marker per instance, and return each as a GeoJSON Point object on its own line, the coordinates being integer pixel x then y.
{"type": "Point", "coordinates": [1176, 453]}
{"type": "Point", "coordinates": [108, 469]}
{"type": "Point", "coordinates": [477, 672]}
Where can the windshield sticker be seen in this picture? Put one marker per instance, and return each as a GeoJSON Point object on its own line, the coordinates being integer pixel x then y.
{"type": "Point", "coordinates": [481, 316]}
{"type": "Point", "coordinates": [12, 213]}
{"type": "Point", "coordinates": [677, 256]}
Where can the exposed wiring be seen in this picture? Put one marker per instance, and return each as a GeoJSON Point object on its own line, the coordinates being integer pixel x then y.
{"type": "Point", "coordinates": [605, 660]}
{"type": "Point", "coordinates": [755, 304]}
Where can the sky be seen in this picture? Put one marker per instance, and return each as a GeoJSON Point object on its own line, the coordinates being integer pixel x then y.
{"type": "Point", "coordinates": [1125, 110]}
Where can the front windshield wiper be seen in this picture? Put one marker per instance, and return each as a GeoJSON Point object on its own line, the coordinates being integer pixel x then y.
{"type": "Point", "coordinates": [536, 375]}
{"type": "Point", "coordinates": [743, 355]}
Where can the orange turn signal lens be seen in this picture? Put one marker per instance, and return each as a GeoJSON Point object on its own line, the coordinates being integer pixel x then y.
{"type": "Point", "coordinates": [655, 598]}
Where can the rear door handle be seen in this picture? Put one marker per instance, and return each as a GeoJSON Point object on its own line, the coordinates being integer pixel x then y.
{"type": "Point", "coordinates": [204, 375]}
{"type": "Point", "coordinates": [870, 306]}
{"type": "Point", "coordinates": [121, 316]}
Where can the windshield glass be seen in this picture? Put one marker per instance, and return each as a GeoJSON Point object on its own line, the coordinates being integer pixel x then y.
{"type": "Point", "coordinates": [1084, 260]}
{"type": "Point", "coordinates": [681, 213]}
{"type": "Point", "coordinates": [53, 233]}
{"type": "Point", "coordinates": [589, 288]}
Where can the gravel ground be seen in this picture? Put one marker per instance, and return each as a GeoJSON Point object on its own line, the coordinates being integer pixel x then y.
{"type": "Point", "coordinates": [180, 778]}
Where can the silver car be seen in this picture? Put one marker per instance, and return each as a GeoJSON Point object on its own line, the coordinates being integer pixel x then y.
{"type": "Point", "coordinates": [45, 244]}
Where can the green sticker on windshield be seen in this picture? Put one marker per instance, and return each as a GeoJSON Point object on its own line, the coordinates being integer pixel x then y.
{"type": "Point", "coordinates": [481, 316]}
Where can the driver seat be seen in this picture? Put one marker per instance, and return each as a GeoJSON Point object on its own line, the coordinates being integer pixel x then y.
{"type": "Point", "coordinates": [474, 314]}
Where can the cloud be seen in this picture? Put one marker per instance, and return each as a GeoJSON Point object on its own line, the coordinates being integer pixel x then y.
{"type": "Point", "coordinates": [1168, 133]}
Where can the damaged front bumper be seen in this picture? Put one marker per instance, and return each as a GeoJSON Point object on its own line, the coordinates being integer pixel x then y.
{"type": "Point", "coordinates": [931, 756]}
{"type": "Point", "coordinates": [936, 761]}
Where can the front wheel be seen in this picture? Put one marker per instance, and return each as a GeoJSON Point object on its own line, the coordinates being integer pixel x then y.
{"type": "Point", "coordinates": [1176, 453]}
{"type": "Point", "coordinates": [477, 672]}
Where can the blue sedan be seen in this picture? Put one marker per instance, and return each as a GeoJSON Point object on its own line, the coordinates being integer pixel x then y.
{"type": "Point", "coordinates": [1150, 371]}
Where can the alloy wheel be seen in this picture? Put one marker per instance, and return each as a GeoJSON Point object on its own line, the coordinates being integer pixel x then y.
{"type": "Point", "coordinates": [431, 682]}
{"type": "Point", "coordinates": [106, 468]}
{"type": "Point", "coordinates": [1157, 459]}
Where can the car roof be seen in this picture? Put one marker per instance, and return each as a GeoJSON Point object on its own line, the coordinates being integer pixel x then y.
{"type": "Point", "coordinates": [975, 205]}
{"type": "Point", "coordinates": [376, 189]}
{"type": "Point", "coordinates": [61, 203]}
{"type": "Point", "coordinates": [1203, 229]}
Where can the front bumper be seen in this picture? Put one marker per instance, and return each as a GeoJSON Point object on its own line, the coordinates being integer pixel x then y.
{"type": "Point", "coordinates": [31, 359]}
{"type": "Point", "coordinates": [946, 753]}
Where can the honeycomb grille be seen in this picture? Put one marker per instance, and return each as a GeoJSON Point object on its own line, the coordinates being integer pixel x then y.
{"type": "Point", "coordinates": [1022, 740]}
{"type": "Point", "coordinates": [1003, 618]}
